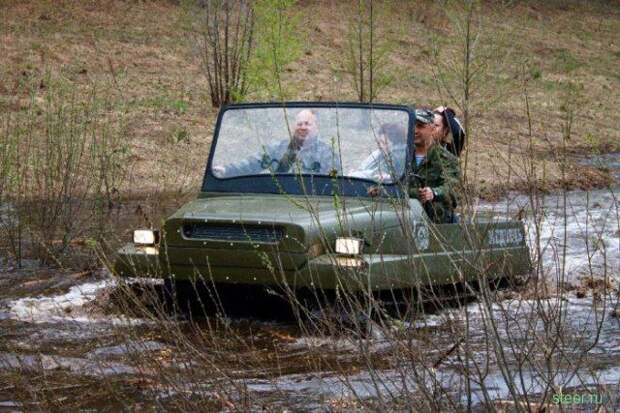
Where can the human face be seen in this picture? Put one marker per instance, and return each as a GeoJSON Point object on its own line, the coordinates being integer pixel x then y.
{"type": "Point", "coordinates": [383, 143]}
{"type": "Point", "coordinates": [305, 125]}
{"type": "Point", "coordinates": [439, 130]}
{"type": "Point", "coordinates": [423, 134]}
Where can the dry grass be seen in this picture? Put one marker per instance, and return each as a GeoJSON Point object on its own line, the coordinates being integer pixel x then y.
{"type": "Point", "coordinates": [160, 89]}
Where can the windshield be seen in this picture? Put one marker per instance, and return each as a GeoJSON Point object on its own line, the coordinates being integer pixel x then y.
{"type": "Point", "coordinates": [361, 143]}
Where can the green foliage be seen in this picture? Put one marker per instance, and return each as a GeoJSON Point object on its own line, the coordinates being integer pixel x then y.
{"type": "Point", "coordinates": [277, 45]}
{"type": "Point", "coordinates": [594, 142]}
{"type": "Point", "coordinates": [243, 46]}
{"type": "Point", "coordinates": [565, 62]}
{"type": "Point", "coordinates": [181, 135]}
{"type": "Point", "coordinates": [179, 106]}
{"type": "Point", "coordinates": [535, 73]}
{"type": "Point", "coordinates": [91, 243]}
{"type": "Point", "coordinates": [163, 102]}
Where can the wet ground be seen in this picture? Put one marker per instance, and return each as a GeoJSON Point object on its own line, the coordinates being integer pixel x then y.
{"type": "Point", "coordinates": [80, 340]}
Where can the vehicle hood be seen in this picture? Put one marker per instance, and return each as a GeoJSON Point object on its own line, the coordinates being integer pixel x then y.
{"type": "Point", "coordinates": [286, 209]}
{"type": "Point", "coordinates": [308, 220]}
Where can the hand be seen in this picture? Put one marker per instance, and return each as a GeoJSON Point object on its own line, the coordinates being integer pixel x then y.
{"type": "Point", "coordinates": [439, 109]}
{"type": "Point", "coordinates": [382, 177]}
{"type": "Point", "coordinates": [426, 194]}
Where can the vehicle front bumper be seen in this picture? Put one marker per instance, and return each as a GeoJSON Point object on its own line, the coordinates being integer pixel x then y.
{"type": "Point", "coordinates": [137, 261]}
{"type": "Point", "coordinates": [331, 271]}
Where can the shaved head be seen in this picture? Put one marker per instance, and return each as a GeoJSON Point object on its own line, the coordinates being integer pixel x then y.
{"type": "Point", "coordinates": [306, 125]}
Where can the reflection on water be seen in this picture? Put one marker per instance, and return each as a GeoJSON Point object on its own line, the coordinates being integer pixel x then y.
{"type": "Point", "coordinates": [60, 332]}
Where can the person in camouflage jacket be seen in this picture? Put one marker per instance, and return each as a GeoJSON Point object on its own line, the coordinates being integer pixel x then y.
{"type": "Point", "coordinates": [435, 172]}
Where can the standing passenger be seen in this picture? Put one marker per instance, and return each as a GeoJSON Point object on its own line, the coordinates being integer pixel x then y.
{"type": "Point", "coordinates": [448, 130]}
{"type": "Point", "coordinates": [435, 172]}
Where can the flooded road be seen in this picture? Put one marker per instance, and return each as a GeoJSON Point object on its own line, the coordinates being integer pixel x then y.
{"type": "Point", "coordinates": [73, 344]}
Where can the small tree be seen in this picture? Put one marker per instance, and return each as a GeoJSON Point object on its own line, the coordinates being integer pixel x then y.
{"type": "Point", "coordinates": [223, 35]}
{"type": "Point", "coordinates": [470, 66]}
{"type": "Point", "coordinates": [368, 50]}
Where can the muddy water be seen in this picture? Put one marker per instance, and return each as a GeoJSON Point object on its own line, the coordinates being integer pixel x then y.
{"type": "Point", "coordinates": [68, 345]}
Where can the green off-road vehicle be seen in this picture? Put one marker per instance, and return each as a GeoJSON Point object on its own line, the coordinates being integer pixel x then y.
{"type": "Point", "coordinates": [284, 203]}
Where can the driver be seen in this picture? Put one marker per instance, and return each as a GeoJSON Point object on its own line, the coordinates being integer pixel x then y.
{"type": "Point", "coordinates": [303, 153]}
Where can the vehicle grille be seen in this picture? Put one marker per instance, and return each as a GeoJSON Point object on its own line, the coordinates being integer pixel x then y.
{"type": "Point", "coordinates": [230, 232]}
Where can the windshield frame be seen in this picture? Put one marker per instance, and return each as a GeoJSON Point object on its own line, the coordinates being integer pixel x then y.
{"type": "Point", "coordinates": [306, 184]}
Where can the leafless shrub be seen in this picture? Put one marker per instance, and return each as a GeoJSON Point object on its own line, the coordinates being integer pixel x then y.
{"type": "Point", "coordinates": [471, 73]}
{"type": "Point", "coordinates": [368, 50]}
{"type": "Point", "coordinates": [223, 36]}
{"type": "Point", "coordinates": [62, 167]}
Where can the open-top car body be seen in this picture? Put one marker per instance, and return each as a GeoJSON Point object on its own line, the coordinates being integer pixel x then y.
{"type": "Point", "coordinates": [285, 201]}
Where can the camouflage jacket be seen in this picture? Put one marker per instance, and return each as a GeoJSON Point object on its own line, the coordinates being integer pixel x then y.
{"type": "Point", "coordinates": [440, 171]}
{"type": "Point", "coordinates": [314, 157]}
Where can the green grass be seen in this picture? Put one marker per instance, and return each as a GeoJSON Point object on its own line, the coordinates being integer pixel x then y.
{"type": "Point", "coordinates": [565, 62]}
{"type": "Point", "coordinates": [160, 103]}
